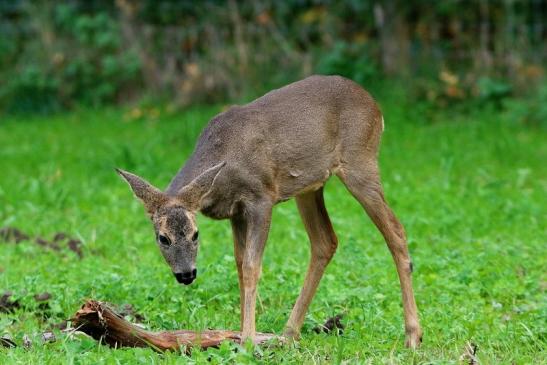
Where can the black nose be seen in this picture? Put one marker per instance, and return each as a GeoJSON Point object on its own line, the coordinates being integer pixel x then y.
{"type": "Point", "coordinates": [186, 278]}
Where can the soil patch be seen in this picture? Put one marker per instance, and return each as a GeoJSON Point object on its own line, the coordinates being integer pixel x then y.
{"type": "Point", "coordinates": [12, 235]}
{"type": "Point", "coordinates": [8, 305]}
{"type": "Point", "coordinates": [332, 324]}
{"type": "Point", "coordinates": [60, 239]}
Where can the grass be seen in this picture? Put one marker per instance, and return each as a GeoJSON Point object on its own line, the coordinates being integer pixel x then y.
{"type": "Point", "coordinates": [471, 192]}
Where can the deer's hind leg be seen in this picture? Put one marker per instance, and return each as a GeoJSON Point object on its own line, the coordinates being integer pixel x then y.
{"type": "Point", "coordinates": [239, 230]}
{"type": "Point", "coordinates": [362, 179]}
{"type": "Point", "coordinates": [323, 245]}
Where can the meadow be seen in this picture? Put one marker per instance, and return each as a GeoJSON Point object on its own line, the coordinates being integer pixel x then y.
{"type": "Point", "coordinates": [470, 190]}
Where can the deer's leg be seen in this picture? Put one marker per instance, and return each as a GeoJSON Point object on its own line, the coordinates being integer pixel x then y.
{"type": "Point", "coordinates": [364, 184]}
{"type": "Point", "coordinates": [323, 245]}
{"type": "Point", "coordinates": [239, 230]}
{"type": "Point", "coordinates": [255, 223]}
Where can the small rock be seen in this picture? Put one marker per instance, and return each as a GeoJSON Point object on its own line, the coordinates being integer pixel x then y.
{"type": "Point", "coordinates": [5, 341]}
{"type": "Point", "coordinates": [48, 337]}
{"type": "Point", "coordinates": [496, 305]}
{"type": "Point", "coordinates": [27, 343]}
{"type": "Point", "coordinates": [42, 297]}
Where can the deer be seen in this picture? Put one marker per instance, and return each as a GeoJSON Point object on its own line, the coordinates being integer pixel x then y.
{"type": "Point", "coordinates": [249, 158]}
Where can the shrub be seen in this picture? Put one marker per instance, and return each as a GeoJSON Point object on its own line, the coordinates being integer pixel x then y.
{"type": "Point", "coordinates": [531, 110]}
{"type": "Point", "coordinates": [75, 57]}
{"type": "Point", "coordinates": [353, 61]}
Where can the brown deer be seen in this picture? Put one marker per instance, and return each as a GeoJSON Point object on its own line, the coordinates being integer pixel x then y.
{"type": "Point", "coordinates": [285, 144]}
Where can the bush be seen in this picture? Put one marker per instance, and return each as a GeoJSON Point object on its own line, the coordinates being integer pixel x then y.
{"type": "Point", "coordinates": [30, 90]}
{"type": "Point", "coordinates": [531, 110]}
{"type": "Point", "coordinates": [493, 91]}
{"type": "Point", "coordinates": [462, 92]}
{"type": "Point", "coordinates": [353, 61]}
{"type": "Point", "coordinates": [57, 54]}
{"type": "Point", "coordinates": [75, 58]}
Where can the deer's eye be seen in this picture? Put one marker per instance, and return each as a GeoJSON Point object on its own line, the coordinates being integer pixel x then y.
{"type": "Point", "coordinates": [195, 236]}
{"type": "Point", "coordinates": [164, 240]}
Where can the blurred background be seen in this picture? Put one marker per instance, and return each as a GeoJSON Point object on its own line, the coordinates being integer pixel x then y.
{"type": "Point", "coordinates": [458, 53]}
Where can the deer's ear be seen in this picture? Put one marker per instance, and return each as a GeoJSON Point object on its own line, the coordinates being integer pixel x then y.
{"type": "Point", "coordinates": [151, 197]}
{"type": "Point", "coordinates": [191, 195]}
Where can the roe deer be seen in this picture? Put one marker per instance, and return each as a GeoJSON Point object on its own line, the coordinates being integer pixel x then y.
{"type": "Point", "coordinates": [285, 144]}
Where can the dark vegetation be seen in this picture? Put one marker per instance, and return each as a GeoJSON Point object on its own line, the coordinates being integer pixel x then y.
{"type": "Point", "coordinates": [14, 235]}
{"type": "Point", "coordinates": [447, 54]}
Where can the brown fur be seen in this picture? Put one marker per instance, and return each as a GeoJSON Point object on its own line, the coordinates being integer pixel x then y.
{"type": "Point", "coordinates": [285, 144]}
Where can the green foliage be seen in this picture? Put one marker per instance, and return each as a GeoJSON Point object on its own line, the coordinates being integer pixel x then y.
{"type": "Point", "coordinates": [492, 90]}
{"type": "Point", "coordinates": [79, 61]}
{"type": "Point", "coordinates": [353, 61]}
{"type": "Point", "coordinates": [56, 55]}
{"type": "Point", "coordinates": [97, 70]}
{"type": "Point", "coordinates": [30, 90]}
{"type": "Point", "coordinates": [470, 191]}
{"type": "Point", "coordinates": [462, 93]}
{"type": "Point", "coordinates": [531, 110]}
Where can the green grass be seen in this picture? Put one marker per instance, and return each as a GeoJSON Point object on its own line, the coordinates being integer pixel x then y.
{"type": "Point", "coordinates": [471, 192]}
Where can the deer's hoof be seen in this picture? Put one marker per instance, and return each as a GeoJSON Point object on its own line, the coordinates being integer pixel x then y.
{"type": "Point", "coordinates": [414, 339]}
{"type": "Point", "coordinates": [291, 335]}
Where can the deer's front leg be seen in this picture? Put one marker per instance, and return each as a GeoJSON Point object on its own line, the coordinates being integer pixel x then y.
{"type": "Point", "coordinates": [255, 222]}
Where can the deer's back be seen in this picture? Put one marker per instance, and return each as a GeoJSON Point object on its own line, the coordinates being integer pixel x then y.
{"type": "Point", "coordinates": [287, 141]}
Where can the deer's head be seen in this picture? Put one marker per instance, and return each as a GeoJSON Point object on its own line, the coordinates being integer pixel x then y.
{"type": "Point", "coordinates": [174, 219]}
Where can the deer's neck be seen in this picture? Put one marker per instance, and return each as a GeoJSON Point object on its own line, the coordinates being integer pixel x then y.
{"type": "Point", "coordinates": [185, 175]}
{"type": "Point", "coordinates": [210, 150]}
{"type": "Point", "coordinates": [193, 167]}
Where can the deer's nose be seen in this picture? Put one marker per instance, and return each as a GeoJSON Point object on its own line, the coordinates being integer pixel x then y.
{"type": "Point", "coordinates": [187, 277]}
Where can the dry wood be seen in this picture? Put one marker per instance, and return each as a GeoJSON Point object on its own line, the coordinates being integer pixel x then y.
{"type": "Point", "coordinates": [101, 322]}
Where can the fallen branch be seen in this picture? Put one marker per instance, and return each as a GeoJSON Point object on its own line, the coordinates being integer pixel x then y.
{"type": "Point", "coordinates": [102, 323]}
